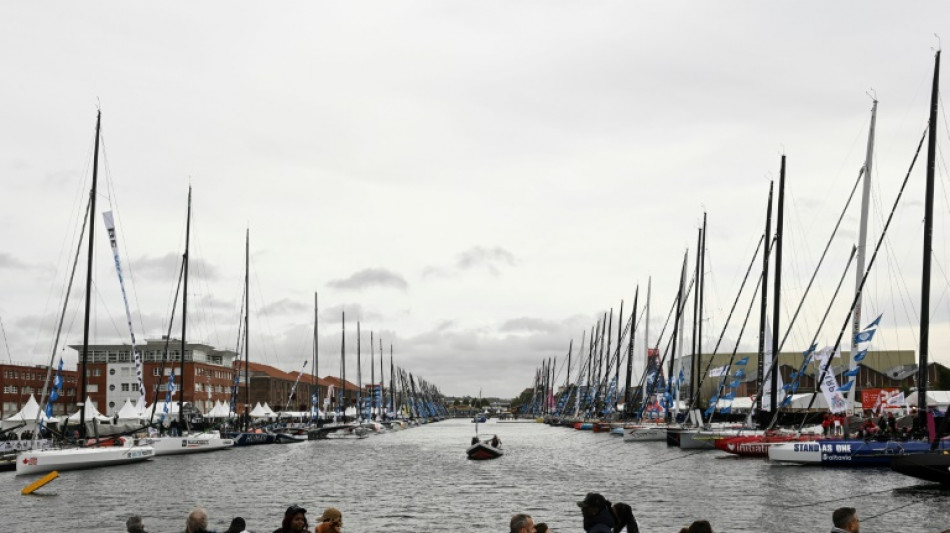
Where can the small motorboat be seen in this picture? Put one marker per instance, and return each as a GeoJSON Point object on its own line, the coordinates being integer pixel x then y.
{"type": "Point", "coordinates": [481, 450]}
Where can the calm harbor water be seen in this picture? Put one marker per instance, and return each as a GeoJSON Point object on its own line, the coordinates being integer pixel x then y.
{"type": "Point", "coordinates": [419, 480]}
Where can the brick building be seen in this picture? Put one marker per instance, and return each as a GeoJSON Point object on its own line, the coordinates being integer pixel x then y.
{"type": "Point", "coordinates": [19, 381]}
{"type": "Point", "coordinates": [111, 376]}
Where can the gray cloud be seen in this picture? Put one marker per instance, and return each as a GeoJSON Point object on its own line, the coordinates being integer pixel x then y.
{"type": "Point", "coordinates": [167, 265]}
{"type": "Point", "coordinates": [473, 258]}
{"type": "Point", "coordinates": [7, 261]}
{"type": "Point", "coordinates": [284, 307]}
{"type": "Point", "coordinates": [370, 277]}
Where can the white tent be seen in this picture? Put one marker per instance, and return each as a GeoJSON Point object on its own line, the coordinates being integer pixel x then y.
{"type": "Point", "coordinates": [130, 412]}
{"type": "Point", "coordinates": [258, 411]}
{"type": "Point", "coordinates": [27, 416]}
{"type": "Point", "coordinates": [935, 398]}
{"type": "Point", "coordinates": [91, 413]}
{"type": "Point", "coordinates": [270, 412]}
{"type": "Point", "coordinates": [220, 410]}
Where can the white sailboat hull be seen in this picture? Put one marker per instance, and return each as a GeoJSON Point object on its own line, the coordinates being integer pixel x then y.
{"type": "Point", "coordinates": [645, 434]}
{"type": "Point", "coordinates": [190, 444]}
{"type": "Point", "coordinates": [41, 461]}
{"type": "Point", "coordinates": [803, 453]}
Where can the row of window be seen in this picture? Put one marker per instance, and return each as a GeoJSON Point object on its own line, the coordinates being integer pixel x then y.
{"type": "Point", "coordinates": [13, 389]}
{"type": "Point", "coordinates": [30, 376]}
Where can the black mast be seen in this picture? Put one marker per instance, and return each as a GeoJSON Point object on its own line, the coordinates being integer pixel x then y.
{"type": "Point", "coordinates": [359, 375]}
{"type": "Point", "coordinates": [776, 308]}
{"type": "Point", "coordinates": [85, 332]}
{"type": "Point", "coordinates": [372, 376]}
{"type": "Point", "coordinates": [928, 251]}
{"type": "Point", "coordinates": [343, 365]}
{"type": "Point", "coordinates": [392, 386]}
{"type": "Point", "coordinates": [184, 319]}
{"type": "Point", "coordinates": [760, 365]}
{"type": "Point", "coordinates": [702, 293]}
{"type": "Point", "coordinates": [694, 364]}
{"type": "Point", "coordinates": [627, 393]}
{"type": "Point", "coordinates": [382, 381]}
{"type": "Point", "coordinates": [247, 337]}
{"type": "Point", "coordinates": [315, 369]}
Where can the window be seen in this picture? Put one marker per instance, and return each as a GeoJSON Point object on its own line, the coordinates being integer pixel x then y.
{"type": "Point", "coordinates": [112, 405]}
{"type": "Point", "coordinates": [92, 387]}
{"type": "Point", "coordinates": [111, 387]}
{"type": "Point", "coordinates": [111, 371]}
{"type": "Point", "coordinates": [125, 387]}
{"type": "Point", "coordinates": [10, 389]}
{"type": "Point", "coordinates": [27, 389]}
{"type": "Point", "coordinates": [113, 357]}
{"type": "Point", "coordinates": [155, 371]}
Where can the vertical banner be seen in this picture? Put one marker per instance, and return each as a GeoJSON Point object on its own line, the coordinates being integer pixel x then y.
{"type": "Point", "coordinates": [110, 228]}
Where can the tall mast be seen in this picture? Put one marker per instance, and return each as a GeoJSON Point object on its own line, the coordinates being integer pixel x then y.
{"type": "Point", "coordinates": [343, 364]}
{"type": "Point", "coordinates": [359, 375]}
{"type": "Point", "coordinates": [862, 239]}
{"type": "Point", "coordinates": [765, 291]}
{"type": "Point", "coordinates": [619, 340]}
{"type": "Point", "coordinates": [646, 340]}
{"type": "Point", "coordinates": [627, 393]}
{"type": "Point", "coordinates": [184, 319]}
{"type": "Point", "coordinates": [777, 297]}
{"type": "Point", "coordinates": [315, 369]}
{"type": "Point", "coordinates": [382, 381]}
{"type": "Point", "coordinates": [694, 365]}
{"type": "Point", "coordinates": [372, 377]}
{"type": "Point", "coordinates": [85, 332]}
{"type": "Point", "coordinates": [702, 294]}
{"type": "Point", "coordinates": [928, 251]}
{"type": "Point", "coordinates": [247, 337]}
{"type": "Point", "coordinates": [676, 323]}
{"type": "Point", "coordinates": [392, 386]}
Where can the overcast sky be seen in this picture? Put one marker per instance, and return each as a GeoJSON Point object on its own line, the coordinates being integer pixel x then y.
{"type": "Point", "coordinates": [475, 182]}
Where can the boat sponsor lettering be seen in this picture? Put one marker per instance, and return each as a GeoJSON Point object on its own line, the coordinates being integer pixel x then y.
{"type": "Point", "coordinates": [807, 448]}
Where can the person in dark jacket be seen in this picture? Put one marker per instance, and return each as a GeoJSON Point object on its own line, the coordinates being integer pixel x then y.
{"type": "Point", "coordinates": [626, 522]}
{"type": "Point", "coordinates": [295, 520]}
{"type": "Point", "coordinates": [598, 515]}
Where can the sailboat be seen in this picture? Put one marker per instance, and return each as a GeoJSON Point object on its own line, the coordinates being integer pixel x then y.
{"type": "Point", "coordinates": [248, 437]}
{"type": "Point", "coordinates": [126, 450]}
{"type": "Point", "coordinates": [852, 452]}
{"type": "Point", "coordinates": [484, 448]}
{"type": "Point", "coordinates": [935, 465]}
{"type": "Point", "coordinates": [205, 441]}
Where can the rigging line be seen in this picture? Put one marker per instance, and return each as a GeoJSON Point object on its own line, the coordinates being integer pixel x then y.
{"type": "Point", "coordinates": [679, 456]}
{"type": "Point", "coordinates": [848, 497]}
{"type": "Point", "coordinates": [5, 342]}
{"type": "Point", "coordinates": [775, 366]}
{"type": "Point", "coordinates": [864, 277]}
{"type": "Point", "coordinates": [872, 517]}
{"type": "Point", "coordinates": [722, 334]}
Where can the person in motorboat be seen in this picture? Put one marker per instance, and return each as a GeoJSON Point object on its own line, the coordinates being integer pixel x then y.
{"type": "Point", "coordinates": [295, 520]}
{"type": "Point", "coordinates": [475, 440]}
{"type": "Point", "coordinates": [331, 521]}
{"type": "Point", "coordinates": [495, 441]}
{"type": "Point", "coordinates": [597, 513]}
